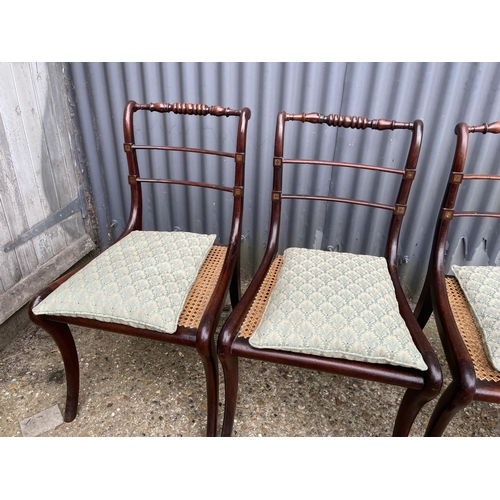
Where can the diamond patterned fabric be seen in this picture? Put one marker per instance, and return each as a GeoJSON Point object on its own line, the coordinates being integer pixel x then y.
{"type": "Point", "coordinates": [336, 305]}
{"type": "Point", "coordinates": [141, 281]}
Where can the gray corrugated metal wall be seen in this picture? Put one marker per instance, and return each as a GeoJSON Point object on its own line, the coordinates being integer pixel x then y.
{"type": "Point", "coordinates": [441, 94]}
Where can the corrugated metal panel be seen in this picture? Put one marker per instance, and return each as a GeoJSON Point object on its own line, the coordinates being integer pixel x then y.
{"type": "Point", "coordinates": [441, 94]}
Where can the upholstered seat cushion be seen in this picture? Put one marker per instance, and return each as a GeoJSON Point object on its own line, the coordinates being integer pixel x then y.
{"type": "Point", "coordinates": [337, 305]}
{"type": "Point", "coordinates": [142, 281]}
{"type": "Point", "coordinates": [481, 287]}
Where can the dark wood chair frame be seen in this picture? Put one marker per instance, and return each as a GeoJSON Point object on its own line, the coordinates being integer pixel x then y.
{"type": "Point", "coordinates": [421, 386]}
{"type": "Point", "coordinates": [202, 337]}
{"type": "Point", "coordinates": [466, 384]}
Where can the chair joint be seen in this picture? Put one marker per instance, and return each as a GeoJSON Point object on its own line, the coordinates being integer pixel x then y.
{"type": "Point", "coordinates": [132, 180]}
{"type": "Point", "coordinates": [457, 178]}
{"type": "Point", "coordinates": [238, 192]}
{"type": "Point", "coordinates": [276, 196]}
{"type": "Point", "coordinates": [127, 146]}
{"type": "Point", "coordinates": [409, 174]}
{"type": "Point", "coordinates": [399, 209]}
{"type": "Point", "coordinates": [278, 161]}
{"type": "Point", "coordinates": [447, 214]}
{"type": "Point", "coordinates": [239, 157]}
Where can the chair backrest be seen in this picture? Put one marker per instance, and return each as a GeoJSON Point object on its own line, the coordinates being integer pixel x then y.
{"type": "Point", "coordinates": [456, 180]}
{"type": "Point", "coordinates": [280, 162]}
{"type": "Point", "coordinates": [134, 177]}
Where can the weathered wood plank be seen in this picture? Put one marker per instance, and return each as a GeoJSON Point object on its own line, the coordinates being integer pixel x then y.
{"type": "Point", "coordinates": [10, 271]}
{"type": "Point", "coordinates": [23, 291]}
{"type": "Point", "coordinates": [12, 204]}
{"type": "Point", "coordinates": [58, 172]}
{"type": "Point", "coordinates": [33, 187]}
{"type": "Point", "coordinates": [25, 154]}
{"type": "Point", "coordinates": [38, 176]}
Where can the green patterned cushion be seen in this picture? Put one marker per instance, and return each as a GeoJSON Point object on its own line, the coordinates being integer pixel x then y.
{"type": "Point", "coordinates": [141, 281]}
{"type": "Point", "coordinates": [481, 287]}
{"type": "Point", "coordinates": [337, 305]}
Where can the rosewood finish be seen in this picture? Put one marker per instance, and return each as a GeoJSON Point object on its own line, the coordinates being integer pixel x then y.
{"type": "Point", "coordinates": [421, 386]}
{"type": "Point", "coordinates": [467, 383]}
{"type": "Point", "coordinates": [202, 336]}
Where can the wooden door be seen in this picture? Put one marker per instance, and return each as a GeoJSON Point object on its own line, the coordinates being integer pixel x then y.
{"type": "Point", "coordinates": [42, 199]}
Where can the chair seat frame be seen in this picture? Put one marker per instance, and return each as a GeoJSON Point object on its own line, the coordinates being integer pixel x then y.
{"type": "Point", "coordinates": [421, 386]}
{"type": "Point", "coordinates": [202, 337]}
{"type": "Point", "coordinates": [466, 385]}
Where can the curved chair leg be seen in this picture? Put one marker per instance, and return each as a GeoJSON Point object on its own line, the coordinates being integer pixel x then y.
{"type": "Point", "coordinates": [413, 401]}
{"type": "Point", "coordinates": [230, 368]}
{"type": "Point", "coordinates": [62, 336]}
{"type": "Point", "coordinates": [448, 405]}
{"type": "Point", "coordinates": [211, 368]}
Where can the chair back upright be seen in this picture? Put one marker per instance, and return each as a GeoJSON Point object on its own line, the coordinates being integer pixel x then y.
{"type": "Point", "coordinates": [456, 179]}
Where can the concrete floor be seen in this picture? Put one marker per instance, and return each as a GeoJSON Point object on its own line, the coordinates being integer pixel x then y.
{"type": "Point", "coordinates": [137, 387]}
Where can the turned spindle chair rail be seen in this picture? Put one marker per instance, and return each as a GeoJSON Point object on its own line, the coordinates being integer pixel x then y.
{"type": "Point", "coordinates": [347, 121]}
{"type": "Point", "coordinates": [185, 109]}
{"type": "Point", "coordinates": [353, 122]}
{"type": "Point", "coordinates": [485, 128]}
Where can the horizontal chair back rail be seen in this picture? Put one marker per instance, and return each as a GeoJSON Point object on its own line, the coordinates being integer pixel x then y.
{"type": "Point", "coordinates": [183, 109]}
{"type": "Point", "coordinates": [343, 164]}
{"type": "Point", "coordinates": [408, 172]}
{"type": "Point", "coordinates": [347, 121]}
{"type": "Point", "coordinates": [181, 149]}
{"type": "Point", "coordinates": [135, 180]}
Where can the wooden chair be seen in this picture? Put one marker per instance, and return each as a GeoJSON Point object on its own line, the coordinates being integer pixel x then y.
{"type": "Point", "coordinates": [290, 329]}
{"type": "Point", "coordinates": [138, 286]}
{"type": "Point", "coordinates": [457, 300]}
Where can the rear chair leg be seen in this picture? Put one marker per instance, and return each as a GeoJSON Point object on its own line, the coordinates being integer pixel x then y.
{"type": "Point", "coordinates": [413, 401]}
{"type": "Point", "coordinates": [449, 404]}
{"type": "Point", "coordinates": [230, 368]}
{"type": "Point", "coordinates": [211, 368]}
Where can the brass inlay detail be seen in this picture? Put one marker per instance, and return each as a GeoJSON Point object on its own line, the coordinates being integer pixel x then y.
{"type": "Point", "coordinates": [447, 214]}
{"type": "Point", "coordinates": [238, 192]}
{"type": "Point", "coordinates": [278, 162]}
{"type": "Point", "coordinates": [409, 174]}
{"type": "Point", "coordinates": [132, 180]}
{"type": "Point", "coordinates": [400, 209]}
{"type": "Point", "coordinates": [276, 196]}
{"type": "Point", "coordinates": [240, 157]}
{"type": "Point", "coordinates": [457, 178]}
{"type": "Point", "coordinates": [127, 147]}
